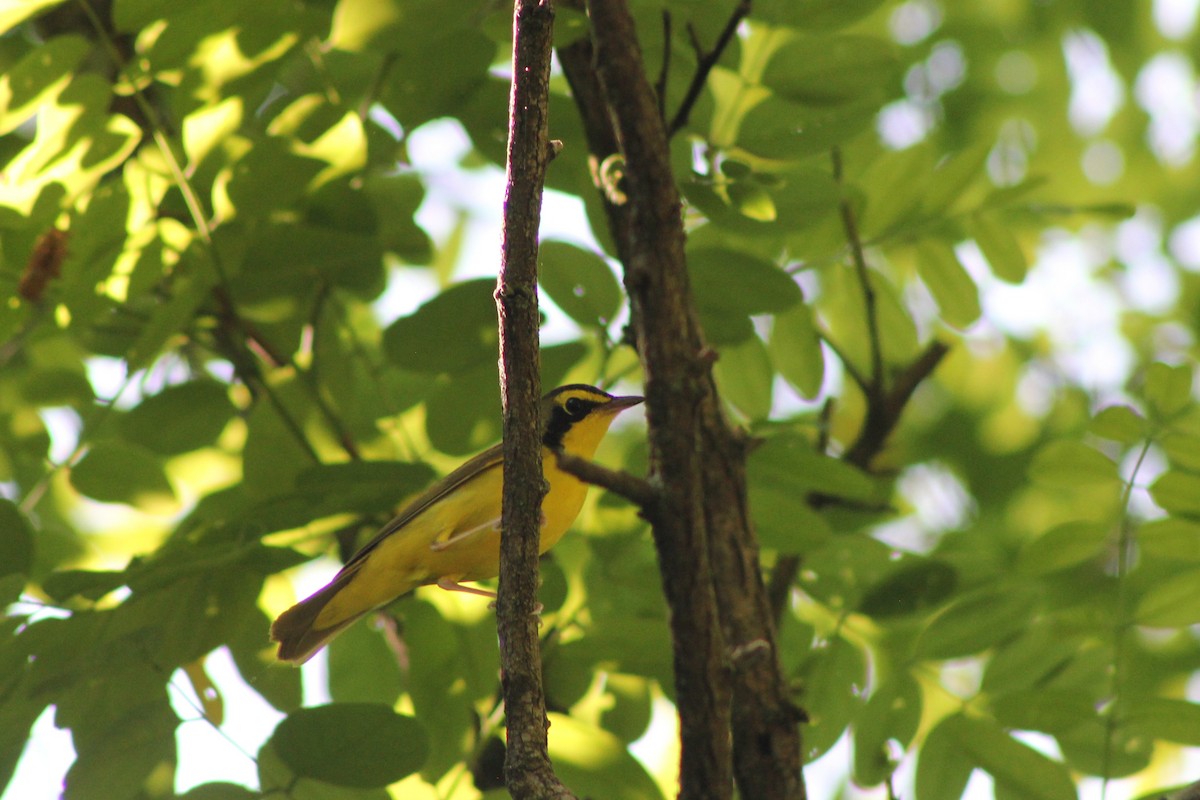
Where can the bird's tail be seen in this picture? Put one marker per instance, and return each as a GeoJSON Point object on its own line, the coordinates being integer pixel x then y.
{"type": "Point", "coordinates": [295, 629]}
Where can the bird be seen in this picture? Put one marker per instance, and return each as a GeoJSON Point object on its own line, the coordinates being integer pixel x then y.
{"type": "Point", "coordinates": [451, 532]}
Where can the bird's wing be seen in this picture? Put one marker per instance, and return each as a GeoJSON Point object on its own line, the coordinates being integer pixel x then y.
{"type": "Point", "coordinates": [476, 466]}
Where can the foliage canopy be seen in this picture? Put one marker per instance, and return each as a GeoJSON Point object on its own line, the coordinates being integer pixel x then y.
{"type": "Point", "coordinates": [208, 210]}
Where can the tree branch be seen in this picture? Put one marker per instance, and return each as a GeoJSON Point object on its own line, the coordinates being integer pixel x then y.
{"type": "Point", "coordinates": [634, 489]}
{"type": "Point", "coordinates": [884, 412]}
{"type": "Point", "coordinates": [874, 386]}
{"type": "Point", "coordinates": [650, 241]}
{"type": "Point", "coordinates": [527, 769]}
{"type": "Point", "coordinates": [705, 63]}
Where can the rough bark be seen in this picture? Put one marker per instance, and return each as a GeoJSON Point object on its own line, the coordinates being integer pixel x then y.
{"type": "Point", "coordinates": [527, 769]}
{"type": "Point", "coordinates": [727, 669]}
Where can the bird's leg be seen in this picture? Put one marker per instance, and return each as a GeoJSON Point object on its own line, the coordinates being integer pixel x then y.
{"type": "Point", "coordinates": [454, 586]}
{"type": "Point", "coordinates": [457, 538]}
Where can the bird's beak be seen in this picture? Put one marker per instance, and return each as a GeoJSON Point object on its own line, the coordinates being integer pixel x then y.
{"type": "Point", "coordinates": [621, 403]}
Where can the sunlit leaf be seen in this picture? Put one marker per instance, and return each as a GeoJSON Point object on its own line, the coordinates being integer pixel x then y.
{"type": "Point", "coordinates": [999, 246]}
{"type": "Point", "coordinates": [745, 376]}
{"type": "Point", "coordinates": [1118, 423]}
{"type": "Point", "coordinates": [1172, 603]}
{"type": "Point", "coordinates": [952, 288]}
{"type": "Point", "coordinates": [1167, 389]}
{"type": "Point", "coordinates": [179, 418]}
{"type": "Point", "coordinates": [117, 472]}
{"type": "Point", "coordinates": [795, 349]}
{"type": "Point", "coordinates": [1067, 464]}
{"type": "Point", "coordinates": [1177, 492]}
{"type": "Point", "coordinates": [594, 762]}
{"type": "Point", "coordinates": [1064, 546]}
{"type": "Point", "coordinates": [832, 69]}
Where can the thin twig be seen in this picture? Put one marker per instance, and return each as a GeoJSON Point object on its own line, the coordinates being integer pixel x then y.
{"type": "Point", "coordinates": [705, 61]}
{"type": "Point", "coordinates": [883, 413]}
{"type": "Point", "coordinates": [660, 88]}
{"type": "Point", "coordinates": [636, 490]}
{"type": "Point", "coordinates": [850, 224]}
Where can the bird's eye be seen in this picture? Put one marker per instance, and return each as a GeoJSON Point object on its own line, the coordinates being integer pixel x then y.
{"type": "Point", "coordinates": [575, 407]}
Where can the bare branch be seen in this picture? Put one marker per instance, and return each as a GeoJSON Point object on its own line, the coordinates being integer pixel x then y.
{"type": "Point", "coordinates": [850, 223]}
{"type": "Point", "coordinates": [634, 489]}
{"type": "Point", "coordinates": [660, 87]}
{"type": "Point", "coordinates": [883, 413]}
{"type": "Point", "coordinates": [527, 769]}
{"type": "Point", "coordinates": [706, 60]}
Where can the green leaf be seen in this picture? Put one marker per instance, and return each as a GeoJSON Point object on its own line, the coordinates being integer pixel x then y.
{"type": "Point", "coordinates": [65, 584]}
{"type": "Point", "coordinates": [366, 487]}
{"type": "Point", "coordinates": [361, 745]}
{"type": "Point", "coordinates": [1171, 539]}
{"type": "Point", "coordinates": [1044, 708]}
{"type": "Point", "coordinates": [219, 791]}
{"type": "Point", "coordinates": [1177, 492]}
{"type": "Point", "coordinates": [951, 180]}
{"type": "Point", "coordinates": [789, 460]}
{"type": "Point", "coordinates": [1029, 659]}
{"type": "Point", "coordinates": [1182, 449]}
{"type": "Point", "coordinates": [16, 540]}
{"type": "Point", "coordinates": [829, 678]}
{"type": "Point", "coordinates": [1014, 766]}
{"type": "Point", "coordinates": [827, 70]}
{"type": "Point", "coordinates": [912, 588]}
{"type": "Point", "coordinates": [953, 290]}
{"type": "Point", "coordinates": [1096, 748]}
{"type": "Point", "coordinates": [1172, 603]}
{"type": "Point", "coordinates": [283, 261]}
{"type": "Point", "coordinates": [842, 309]}
{"type": "Point", "coordinates": [118, 472]}
{"type": "Point", "coordinates": [180, 418]}
{"type": "Point", "coordinates": [189, 291]}
{"type": "Point", "coordinates": [815, 14]}
{"type": "Point", "coordinates": [999, 246]}
{"type": "Point", "coordinates": [892, 713]}
{"type": "Point", "coordinates": [745, 377]}
{"type": "Point", "coordinates": [1163, 719]}
{"type": "Point", "coordinates": [1069, 464]}
{"type": "Point", "coordinates": [274, 454]}
{"type": "Point", "coordinates": [454, 332]}
{"type": "Point", "coordinates": [56, 387]}
{"type": "Point", "coordinates": [595, 763]}
{"type": "Point", "coordinates": [943, 768]}
{"type": "Point", "coordinates": [629, 715]}
{"type": "Point", "coordinates": [977, 622]}
{"type": "Point", "coordinates": [363, 668]}
{"type": "Point", "coordinates": [795, 349]}
{"type": "Point", "coordinates": [269, 177]}
{"type": "Point", "coordinates": [44, 71]}
{"type": "Point", "coordinates": [134, 744]}
{"type": "Point", "coordinates": [1064, 546]}
{"type": "Point", "coordinates": [463, 414]}
{"type": "Point", "coordinates": [1167, 389]}
{"type": "Point", "coordinates": [740, 283]}
{"type": "Point", "coordinates": [580, 283]}
{"type": "Point", "coordinates": [1119, 424]}
{"type": "Point", "coordinates": [397, 198]}
{"type": "Point", "coordinates": [779, 128]}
